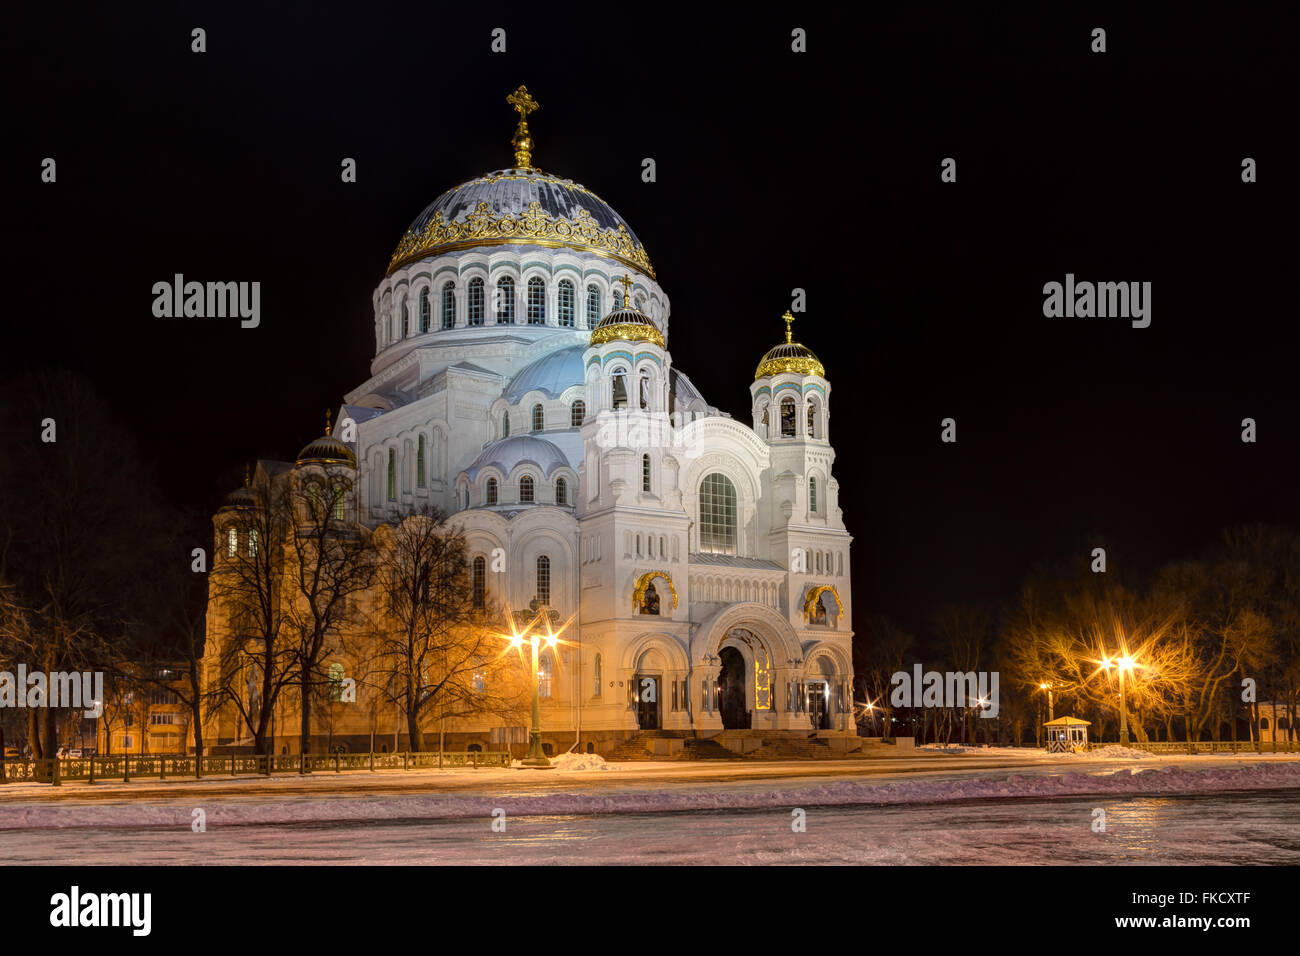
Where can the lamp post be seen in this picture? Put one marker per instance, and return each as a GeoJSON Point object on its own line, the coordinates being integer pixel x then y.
{"type": "Point", "coordinates": [1122, 664]}
{"type": "Point", "coordinates": [1048, 687]}
{"type": "Point", "coordinates": [536, 758]}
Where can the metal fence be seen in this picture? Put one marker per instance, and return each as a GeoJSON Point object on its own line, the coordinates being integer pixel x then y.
{"type": "Point", "coordinates": [124, 767]}
{"type": "Point", "coordinates": [1208, 746]}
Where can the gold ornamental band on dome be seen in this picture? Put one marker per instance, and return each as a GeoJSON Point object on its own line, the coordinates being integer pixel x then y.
{"type": "Point", "coordinates": [532, 227]}
{"type": "Point", "coordinates": [628, 332]}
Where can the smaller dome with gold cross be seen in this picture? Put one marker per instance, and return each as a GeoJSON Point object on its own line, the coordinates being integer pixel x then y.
{"type": "Point", "coordinates": [790, 356]}
{"type": "Point", "coordinates": [627, 323]}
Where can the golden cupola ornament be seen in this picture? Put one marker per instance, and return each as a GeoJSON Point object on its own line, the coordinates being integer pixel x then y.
{"type": "Point", "coordinates": [627, 323]}
{"type": "Point", "coordinates": [790, 357]}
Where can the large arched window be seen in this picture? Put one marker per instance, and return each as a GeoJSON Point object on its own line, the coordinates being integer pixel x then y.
{"type": "Point", "coordinates": [536, 301]}
{"type": "Point", "coordinates": [505, 303]}
{"type": "Point", "coordinates": [539, 418]}
{"type": "Point", "coordinates": [449, 305]}
{"type": "Point", "coordinates": [475, 302]}
{"type": "Point", "coordinates": [564, 303]}
{"type": "Point", "coordinates": [479, 580]}
{"type": "Point", "coordinates": [812, 495]}
{"type": "Point", "coordinates": [577, 412]}
{"type": "Point", "coordinates": [561, 492]}
{"type": "Point", "coordinates": [619, 382]}
{"type": "Point", "coordinates": [787, 418]}
{"type": "Point", "coordinates": [526, 489]}
{"type": "Point", "coordinates": [392, 474]}
{"type": "Point", "coordinates": [593, 306]}
{"type": "Point", "coordinates": [491, 491]}
{"type": "Point", "coordinates": [419, 463]}
{"type": "Point", "coordinates": [544, 579]}
{"type": "Point", "coordinates": [426, 311]}
{"type": "Point", "coordinates": [717, 515]}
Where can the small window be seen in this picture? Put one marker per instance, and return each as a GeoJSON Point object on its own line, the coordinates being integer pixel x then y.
{"type": "Point", "coordinates": [812, 419]}
{"type": "Point", "coordinates": [526, 489]}
{"type": "Point", "coordinates": [252, 542]}
{"type": "Point", "coordinates": [787, 418]}
{"type": "Point", "coordinates": [339, 503]}
{"type": "Point", "coordinates": [232, 543]}
{"type": "Point", "coordinates": [544, 579]}
{"type": "Point", "coordinates": [449, 305]}
{"type": "Point", "coordinates": [545, 672]}
{"type": "Point", "coordinates": [491, 491]}
{"type": "Point", "coordinates": [406, 320]}
{"type": "Point", "coordinates": [425, 310]}
{"type": "Point", "coordinates": [593, 306]}
{"type": "Point", "coordinates": [505, 304]}
{"type": "Point", "coordinates": [505, 424]}
{"type": "Point", "coordinates": [419, 462]}
{"type": "Point", "coordinates": [539, 418]}
{"type": "Point", "coordinates": [536, 301]}
{"type": "Point", "coordinates": [596, 690]}
{"type": "Point", "coordinates": [336, 682]}
{"type": "Point", "coordinates": [475, 301]}
{"type": "Point", "coordinates": [645, 473]}
{"type": "Point", "coordinates": [812, 495]}
{"type": "Point", "coordinates": [392, 474]}
{"type": "Point", "coordinates": [620, 389]}
{"type": "Point", "coordinates": [561, 492]}
{"type": "Point", "coordinates": [643, 391]}
{"type": "Point", "coordinates": [577, 412]}
{"type": "Point", "coordinates": [564, 303]}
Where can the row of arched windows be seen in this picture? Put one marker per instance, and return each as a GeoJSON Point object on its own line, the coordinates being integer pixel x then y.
{"type": "Point", "coordinates": [478, 580]}
{"type": "Point", "coordinates": [645, 545]}
{"type": "Point", "coordinates": [528, 493]}
{"type": "Point", "coordinates": [537, 419]}
{"type": "Point", "coordinates": [735, 590]}
{"type": "Point", "coordinates": [787, 425]}
{"type": "Point", "coordinates": [502, 309]}
{"type": "Point", "coordinates": [823, 562]}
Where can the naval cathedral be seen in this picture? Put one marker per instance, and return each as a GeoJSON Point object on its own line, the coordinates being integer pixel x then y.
{"type": "Point", "coordinates": [522, 385]}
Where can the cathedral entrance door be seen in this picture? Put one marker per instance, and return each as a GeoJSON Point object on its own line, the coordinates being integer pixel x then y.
{"type": "Point", "coordinates": [647, 702]}
{"type": "Point", "coordinates": [819, 704]}
{"type": "Point", "coordinates": [731, 690]}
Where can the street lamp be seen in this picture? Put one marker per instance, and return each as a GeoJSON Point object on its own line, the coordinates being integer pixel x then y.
{"type": "Point", "coordinates": [1122, 663]}
{"type": "Point", "coordinates": [536, 758]}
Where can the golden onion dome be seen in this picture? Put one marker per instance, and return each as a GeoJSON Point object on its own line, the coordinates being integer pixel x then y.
{"type": "Point", "coordinates": [627, 323]}
{"type": "Point", "coordinates": [790, 356]}
{"type": "Point", "coordinates": [327, 450]}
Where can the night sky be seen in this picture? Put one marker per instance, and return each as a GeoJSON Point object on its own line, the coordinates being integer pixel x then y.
{"type": "Point", "coordinates": [776, 170]}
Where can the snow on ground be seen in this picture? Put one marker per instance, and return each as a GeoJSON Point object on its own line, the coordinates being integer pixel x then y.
{"type": "Point", "coordinates": [572, 761]}
{"type": "Point", "coordinates": [653, 796]}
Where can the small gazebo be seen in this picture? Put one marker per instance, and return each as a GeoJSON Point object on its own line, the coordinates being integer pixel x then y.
{"type": "Point", "coordinates": [1066, 735]}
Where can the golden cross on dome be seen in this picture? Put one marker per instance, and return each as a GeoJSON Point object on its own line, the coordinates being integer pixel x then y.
{"type": "Point", "coordinates": [327, 422]}
{"type": "Point", "coordinates": [524, 104]}
{"type": "Point", "coordinates": [789, 320]}
{"type": "Point", "coordinates": [627, 281]}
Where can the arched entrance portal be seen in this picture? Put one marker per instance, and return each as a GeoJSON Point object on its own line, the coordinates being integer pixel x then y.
{"type": "Point", "coordinates": [731, 690]}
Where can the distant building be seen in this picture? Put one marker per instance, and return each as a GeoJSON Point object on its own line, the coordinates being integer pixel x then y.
{"type": "Point", "coordinates": [1275, 722]}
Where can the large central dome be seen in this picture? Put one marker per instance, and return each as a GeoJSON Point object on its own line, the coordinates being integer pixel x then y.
{"type": "Point", "coordinates": [522, 207]}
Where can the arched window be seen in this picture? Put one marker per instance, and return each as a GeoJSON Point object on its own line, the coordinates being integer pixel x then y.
{"type": "Point", "coordinates": [336, 682]}
{"type": "Point", "coordinates": [620, 388]}
{"type": "Point", "coordinates": [787, 418]}
{"type": "Point", "coordinates": [717, 515]}
{"type": "Point", "coordinates": [812, 419]}
{"type": "Point", "coordinates": [545, 671]}
{"type": "Point", "coordinates": [526, 489]}
{"type": "Point", "coordinates": [232, 543]}
{"type": "Point", "coordinates": [406, 319]}
{"type": "Point", "coordinates": [397, 324]}
{"type": "Point", "coordinates": [640, 302]}
{"type": "Point", "coordinates": [596, 676]}
{"type": "Point", "coordinates": [645, 473]}
{"type": "Point", "coordinates": [539, 418]}
{"type": "Point", "coordinates": [449, 305]}
{"type": "Point", "coordinates": [419, 462]}
{"type": "Point", "coordinates": [479, 580]}
{"type": "Point", "coordinates": [491, 491]}
{"type": "Point", "coordinates": [766, 421]}
{"type": "Point", "coordinates": [475, 302]}
{"type": "Point", "coordinates": [339, 502]}
{"type": "Point", "coordinates": [643, 390]}
{"type": "Point", "coordinates": [425, 311]}
{"type": "Point", "coordinates": [564, 303]}
{"type": "Point", "coordinates": [544, 579]}
{"type": "Point", "coordinates": [505, 304]}
{"type": "Point", "coordinates": [593, 306]}
{"type": "Point", "coordinates": [812, 495]}
{"type": "Point", "coordinates": [577, 412]}
{"type": "Point", "coordinates": [536, 301]}
{"type": "Point", "coordinates": [392, 474]}
{"type": "Point", "coordinates": [561, 492]}
{"type": "Point", "coordinates": [505, 424]}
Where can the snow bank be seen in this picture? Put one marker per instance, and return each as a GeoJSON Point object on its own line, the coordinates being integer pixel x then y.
{"type": "Point", "coordinates": [572, 761]}
{"type": "Point", "coordinates": [459, 805]}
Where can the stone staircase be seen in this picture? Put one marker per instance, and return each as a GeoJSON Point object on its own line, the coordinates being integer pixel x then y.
{"type": "Point", "coordinates": [779, 745]}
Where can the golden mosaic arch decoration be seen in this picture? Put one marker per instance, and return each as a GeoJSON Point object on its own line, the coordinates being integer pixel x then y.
{"type": "Point", "coordinates": [815, 595]}
{"type": "Point", "coordinates": [643, 582]}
